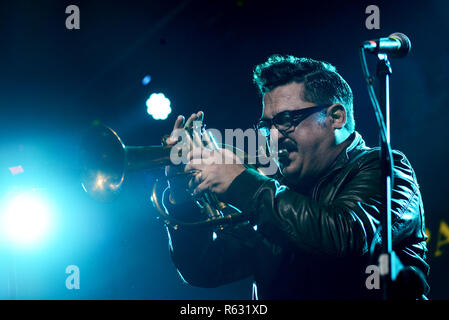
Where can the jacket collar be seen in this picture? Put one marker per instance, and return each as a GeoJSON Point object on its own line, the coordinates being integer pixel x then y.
{"type": "Point", "coordinates": [356, 147]}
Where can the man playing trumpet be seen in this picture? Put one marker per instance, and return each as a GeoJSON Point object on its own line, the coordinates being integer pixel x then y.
{"type": "Point", "coordinates": [312, 233]}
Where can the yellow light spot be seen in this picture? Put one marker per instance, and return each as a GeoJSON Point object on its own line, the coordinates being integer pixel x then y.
{"type": "Point", "coordinates": [443, 238]}
{"type": "Point", "coordinates": [99, 182]}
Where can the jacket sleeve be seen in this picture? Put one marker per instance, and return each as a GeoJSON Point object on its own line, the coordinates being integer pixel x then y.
{"type": "Point", "coordinates": [206, 259]}
{"type": "Point", "coordinates": [340, 227]}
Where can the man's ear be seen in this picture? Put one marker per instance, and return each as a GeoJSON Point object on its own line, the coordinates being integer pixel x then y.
{"type": "Point", "coordinates": [337, 114]}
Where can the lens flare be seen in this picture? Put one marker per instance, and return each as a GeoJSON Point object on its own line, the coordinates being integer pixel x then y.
{"type": "Point", "coordinates": [25, 220]}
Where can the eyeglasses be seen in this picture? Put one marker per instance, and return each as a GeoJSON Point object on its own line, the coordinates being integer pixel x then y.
{"type": "Point", "coordinates": [286, 120]}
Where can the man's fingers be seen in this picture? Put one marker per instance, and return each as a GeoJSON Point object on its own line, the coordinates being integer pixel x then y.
{"type": "Point", "coordinates": [199, 153]}
{"type": "Point", "coordinates": [203, 186]}
{"type": "Point", "coordinates": [208, 141]}
{"type": "Point", "coordinates": [190, 120]}
{"type": "Point", "coordinates": [194, 154]}
{"type": "Point", "coordinates": [199, 116]}
{"type": "Point", "coordinates": [192, 167]}
{"type": "Point", "coordinates": [196, 180]}
{"type": "Point", "coordinates": [179, 123]}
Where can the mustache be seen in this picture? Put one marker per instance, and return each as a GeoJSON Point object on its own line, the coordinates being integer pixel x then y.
{"type": "Point", "coordinates": [288, 145]}
{"type": "Point", "coordinates": [284, 149]}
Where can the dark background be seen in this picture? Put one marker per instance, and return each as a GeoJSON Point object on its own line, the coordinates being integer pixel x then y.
{"type": "Point", "coordinates": [55, 82]}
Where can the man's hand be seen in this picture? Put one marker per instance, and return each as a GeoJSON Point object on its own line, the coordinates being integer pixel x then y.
{"type": "Point", "coordinates": [215, 170]}
{"type": "Point", "coordinates": [177, 179]}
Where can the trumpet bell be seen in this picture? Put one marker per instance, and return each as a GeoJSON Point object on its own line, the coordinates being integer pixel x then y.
{"type": "Point", "coordinates": [103, 163]}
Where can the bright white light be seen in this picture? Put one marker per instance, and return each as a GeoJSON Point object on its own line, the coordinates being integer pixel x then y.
{"type": "Point", "coordinates": [158, 106]}
{"type": "Point", "coordinates": [25, 220]}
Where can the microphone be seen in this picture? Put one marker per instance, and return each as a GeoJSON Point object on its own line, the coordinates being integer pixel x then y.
{"type": "Point", "coordinates": [397, 45]}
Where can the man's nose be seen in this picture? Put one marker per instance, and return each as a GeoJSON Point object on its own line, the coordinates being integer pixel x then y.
{"type": "Point", "coordinates": [275, 133]}
{"type": "Point", "coordinates": [276, 136]}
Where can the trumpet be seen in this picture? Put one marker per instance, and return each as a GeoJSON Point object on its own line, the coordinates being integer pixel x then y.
{"type": "Point", "coordinates": [105, 161]}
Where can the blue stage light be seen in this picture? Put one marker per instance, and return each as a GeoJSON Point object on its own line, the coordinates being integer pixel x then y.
{"type": "Point", "coordinates": [25, 220]}
{"type": "Point", "coordinates": [158, 106]}
{"type": "Point", "coordinates": [146, 80]}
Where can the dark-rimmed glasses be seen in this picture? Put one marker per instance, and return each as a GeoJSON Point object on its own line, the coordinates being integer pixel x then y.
{"type": "Point", "coordinates": [286, 120]}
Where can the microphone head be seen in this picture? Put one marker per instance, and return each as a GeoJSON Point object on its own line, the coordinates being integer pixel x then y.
{"type": "Point", "coordinates": [406, 45]}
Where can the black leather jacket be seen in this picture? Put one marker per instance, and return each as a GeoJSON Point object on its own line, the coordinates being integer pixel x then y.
{"type": "Point", "coordinates": [309, 245]}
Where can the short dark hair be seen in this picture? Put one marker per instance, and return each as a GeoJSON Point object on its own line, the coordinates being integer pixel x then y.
{"type": "Point", "coordinates": [322, 83]}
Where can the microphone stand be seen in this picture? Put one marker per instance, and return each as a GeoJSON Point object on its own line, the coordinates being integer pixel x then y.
{"type": "Point", "coordinates": [386, 261]}
{"type": "Point", "coordinates": [389, 263]}
{"type": "Point", "coordinates": [396, 280]}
